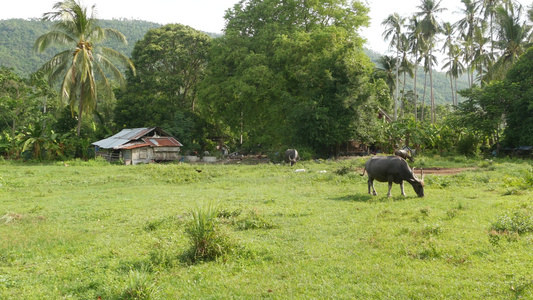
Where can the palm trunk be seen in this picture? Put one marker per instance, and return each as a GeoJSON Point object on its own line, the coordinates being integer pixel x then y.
{"type": "Point", "coordinates": [433, 117]}
{"type": "Point", "coordinates": [403, 92]}
{"type": "Point", "coordinates": [456, 99]}
{"type": "Point", "coordinates": [80, 107]}
{"type": "Point", "coordinates": [397, 87]}
{"type": "Point", "coordinates": [451, 79]}
{"type": "Point", "coordinates": [451, 89]}
{"type": "Point", "coordinates": [424, 96]}
{"type": "Point", "coordinates": [416, 94]}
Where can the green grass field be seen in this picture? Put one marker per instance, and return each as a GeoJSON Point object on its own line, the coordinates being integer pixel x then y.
{"type": "Point", "coordinates": [98, 231]}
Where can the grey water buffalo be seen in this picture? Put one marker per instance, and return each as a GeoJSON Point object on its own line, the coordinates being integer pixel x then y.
{"type": "Point", "coordinates": [405, 154]}
{"type": "Point", "coordinates": [291, 156]}
{"type": "Point", "coordinates": [392, 169]}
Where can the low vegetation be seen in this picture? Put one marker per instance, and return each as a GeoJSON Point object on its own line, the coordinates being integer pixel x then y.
{"type": "Point", "coordinates": [90, 230]}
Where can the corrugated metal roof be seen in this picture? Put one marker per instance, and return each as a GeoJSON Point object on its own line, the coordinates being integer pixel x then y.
{"type": "Point", "coordinates": [125, 136]}
{"type": "Point", "coordinates": [163, 142]}
{"type": "Point", "coordinates": [133, 145]}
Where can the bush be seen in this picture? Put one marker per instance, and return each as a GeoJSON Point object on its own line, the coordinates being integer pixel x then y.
{"type": "Point", "coordinates": [518, 222]}
{"type": "Point", "coordinates": [468, 145]}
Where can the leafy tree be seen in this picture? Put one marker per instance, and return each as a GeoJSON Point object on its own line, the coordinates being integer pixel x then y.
{"type": "Point", "coordinates": [170, 63]}
{"type": "Point", "coordinates": [291, 74]}
{"type": "Point", "coordinates": [86, 62]}
{"type": "Point", "coordinates": [519, 94]}
{"type": "Point", "coordinates": [19, 105]}
{"type": "Point", "coordinates": [483, 111]}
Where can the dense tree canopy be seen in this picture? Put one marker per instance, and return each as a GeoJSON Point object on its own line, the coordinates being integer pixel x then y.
{"type": "Point", "coordinates": [170, 62]}
{"type": "Point", "coordinates": [291, 74]}
{"type": "Point", "coordinates": [519, 103]}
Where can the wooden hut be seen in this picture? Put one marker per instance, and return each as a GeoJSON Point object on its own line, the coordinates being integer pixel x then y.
{"type": "Point", "coordinates": [139, 145]}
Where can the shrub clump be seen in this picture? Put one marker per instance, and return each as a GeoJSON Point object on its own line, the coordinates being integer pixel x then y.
{"type": "Point", "coordinates": [518, 222]}
{"type": "Point", "coordinates": [510, 226]}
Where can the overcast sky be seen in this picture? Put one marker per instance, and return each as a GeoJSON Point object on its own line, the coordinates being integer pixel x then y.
{"type": "Point", "coordinates": [208, 15]}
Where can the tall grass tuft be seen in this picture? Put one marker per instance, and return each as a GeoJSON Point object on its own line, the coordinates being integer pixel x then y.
{"type": "Point", "coordinates": [140, 286]}
{"type": "Point", "coordinates": [208, 241]}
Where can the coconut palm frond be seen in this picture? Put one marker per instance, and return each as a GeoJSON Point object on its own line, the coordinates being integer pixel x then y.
{"type": "Point", "coordinates": [52, 38]}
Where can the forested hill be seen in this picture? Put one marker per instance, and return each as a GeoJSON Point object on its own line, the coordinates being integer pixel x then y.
{"type": "Point", "coordinates": [17, 37]}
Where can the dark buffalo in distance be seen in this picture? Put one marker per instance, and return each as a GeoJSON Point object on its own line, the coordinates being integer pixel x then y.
{"type": "Point", "coordinates": [405, 154]}
{"type": "Point", "coordinates": [392, 169]}
{"type": "Point", "coordinates": [291, 156]}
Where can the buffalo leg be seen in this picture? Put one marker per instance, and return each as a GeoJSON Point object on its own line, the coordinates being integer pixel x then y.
{"type": "Point", "coordinates": [401, 186]}
{"type": "Point", "coordinates": [390, 188]}
{"type": "Point", "coordinates": [371, 186]}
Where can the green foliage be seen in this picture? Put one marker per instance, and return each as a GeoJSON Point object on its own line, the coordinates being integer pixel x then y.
{"type": "Point", "coordinates": [482, 113]}
{"type": "Point", "coordinates": [310, 89]}
{"type": "Point", "coordinates": [518, 91]}
{"type": "Point", "coordinates": [511, 226]}
{"type": "Point", "coordinates": [468, 144]}
{"type": "Point", "coordinates": [170, 62]}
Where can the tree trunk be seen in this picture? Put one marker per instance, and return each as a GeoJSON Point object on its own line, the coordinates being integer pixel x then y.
{"type": "Point", "coordinates": [424, 96]}
{"type": "Point", "coordinates": [432, 97]}
{"type": "Point", "coordinates": [416, 93]}
{"type": "Point", "coordinates": [397, 87]}
{"type": "Point", "coordinates": [80, 107]}
{"type": "Point", "coordinates": [456, 99]}
{"type": "Point", "coordinates": [451, 89]}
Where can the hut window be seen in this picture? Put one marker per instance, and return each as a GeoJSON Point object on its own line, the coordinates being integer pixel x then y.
{"type": "Point", "coordinates": [143, 153]}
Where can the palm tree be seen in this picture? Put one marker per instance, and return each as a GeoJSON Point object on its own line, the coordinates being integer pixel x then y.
{"type": "Point", "coordinates": [393, 31]}
{"type": "Point", "coordinates": [466, 27]}
{"type": "Point", "coordinates": [81, 66]}
{"type": "Point", "coordinates": [428, 61]}
{"type": "Point", "coordinates": [455, 68]}
{"type": "Point", "coordinates": [416, 42]}
{"type": "Point", "coordinates": [448, 48]}
{"type": "Point", "coordinates": [513, 35]}
{"type": "Point", "coordinates": [406, 66]}
{"type": "Point", "coordinates": [488, 9]}
{"type": "Point", "coordinates": [429, 28]}
{"type": "Point", "coordinates": [482, 58]}
{"type": "Point", "coordinates": [388, 66]}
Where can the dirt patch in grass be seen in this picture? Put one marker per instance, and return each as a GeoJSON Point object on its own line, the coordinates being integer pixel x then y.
{"type": "Point", "coordinates": [443, 171]}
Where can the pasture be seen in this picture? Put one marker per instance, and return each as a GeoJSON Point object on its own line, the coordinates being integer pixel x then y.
{"type": "Point", "coordinates": [91, 230]}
